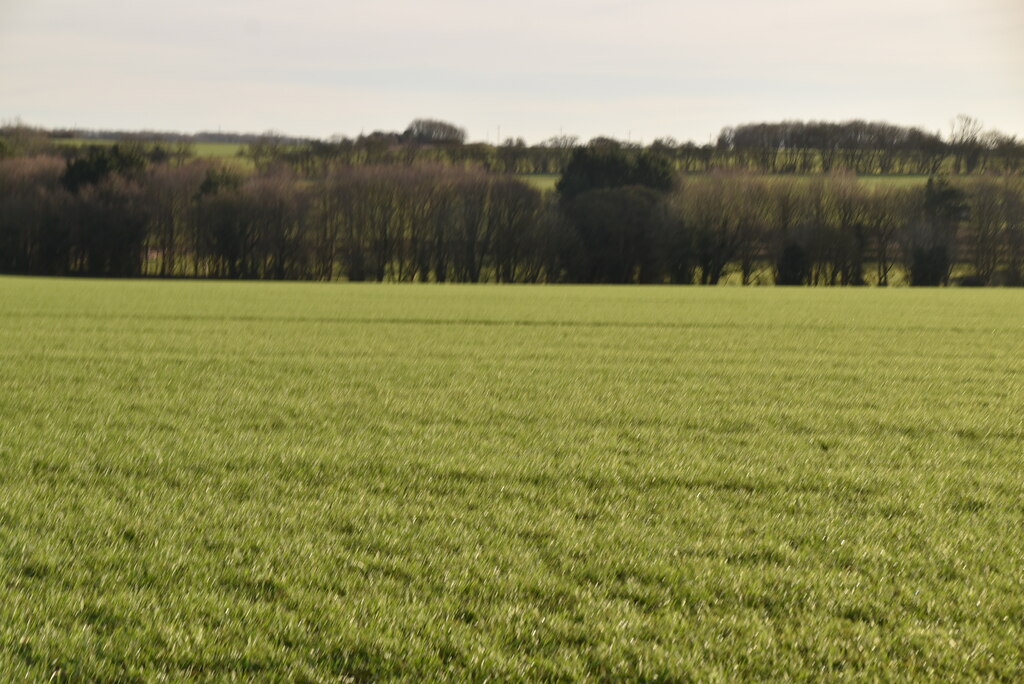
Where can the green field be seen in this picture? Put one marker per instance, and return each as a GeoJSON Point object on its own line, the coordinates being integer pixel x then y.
{"type": "Point", "coordinates": [227, 154]}
{"type": "Point", "coordinates": [894, 181]}
{"type": "Point", "coordinates": [218, 149]}
{"type": "Point", "coordinates": [201, 149]}
{"type": "Point", "coordinates": [545, 182]}
{"type": "Point", "coordinates": [319, 481]}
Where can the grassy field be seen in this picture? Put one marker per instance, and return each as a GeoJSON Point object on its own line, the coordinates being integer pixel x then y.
{"type": "Point", "coordinates": [547, 181]}
{"type": "Point", "coordinates": [218, 149]}
{"type": "Point", "coordinates": [201, 149]}
{"type": "Point", "coordinates": [317, 481]}
{"type": "Point", "coordinates": [895, 181]}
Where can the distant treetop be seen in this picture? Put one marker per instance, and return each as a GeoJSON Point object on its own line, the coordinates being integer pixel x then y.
{"type": "Point", "coordinates": [434, 131]}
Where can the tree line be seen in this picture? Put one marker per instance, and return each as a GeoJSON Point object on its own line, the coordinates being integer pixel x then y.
{"type": "Point", "coordinates": [869, 148]}
{"type": "Point", "coordinates": [642, 223]}
{"type": "Point", "coordinates": [615, 218]}
{"type": "Point", "coordinates": [790, 147]}
{"type": "Point", "coordinates": [112, 212]}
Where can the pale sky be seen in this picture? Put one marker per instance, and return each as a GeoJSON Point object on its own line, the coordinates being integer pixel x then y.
{"type": "Point", "coordinates": [534, 68]}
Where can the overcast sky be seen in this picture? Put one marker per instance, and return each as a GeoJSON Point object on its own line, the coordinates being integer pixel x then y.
{"type": "Point", "coordinates": [641, 69]}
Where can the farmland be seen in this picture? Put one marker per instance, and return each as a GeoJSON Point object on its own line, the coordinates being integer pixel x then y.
{"type": "Point", "coordinates": [281, 480]}
{"type": "Point", "coordinates": [546, 182]}
{"type": "Point", "coordinates": [222, 150]}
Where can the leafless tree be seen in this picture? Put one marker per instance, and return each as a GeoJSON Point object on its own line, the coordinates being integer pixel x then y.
{"type": "Point", "coordinates": [965, 140]}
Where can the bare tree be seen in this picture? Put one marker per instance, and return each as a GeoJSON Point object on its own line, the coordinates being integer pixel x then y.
{"type": "Point", "coordinates": [985, 228]}
{"type": "Point", "coordinates": [170, 192]}
{"type": "Point", "coordinates": [965, 139]}
{"type": "Point", "coordinates": [1013, 210]}
{"type": "Point", "coordinates": [705, 205]}
{"type": "Point", "coordinates": [887, 211]}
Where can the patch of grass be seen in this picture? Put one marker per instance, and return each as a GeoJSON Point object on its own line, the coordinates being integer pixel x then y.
{"type": "Point", "coordinates": [218, 149]}
{"type": "Point", "coordinates": [310, 481]}
{"type": "Point", "coordinates": [896, 181]}
{"type": "Point", "coordinates": [545, 182]}
{"type": "Point", "coordinates": [84, 142]}
{"type": "Point", "coordinates": [202, 149]}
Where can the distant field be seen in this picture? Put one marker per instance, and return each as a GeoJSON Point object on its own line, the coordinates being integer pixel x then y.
{"type": "Point", "coordinates": [204, 149]}
{"type": "Point", "coordinates": [84, 142]}
{"type": "Point", "coordinates": [900, 181]}
{"type": "Point", "coordinates": [542, 181]}
{"type": "Point", "coordinates": [547, 181]}
{"type": "Point", "coordinates": [285, 481]}
{"type": "Point", "coordinates": [216, 149]}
